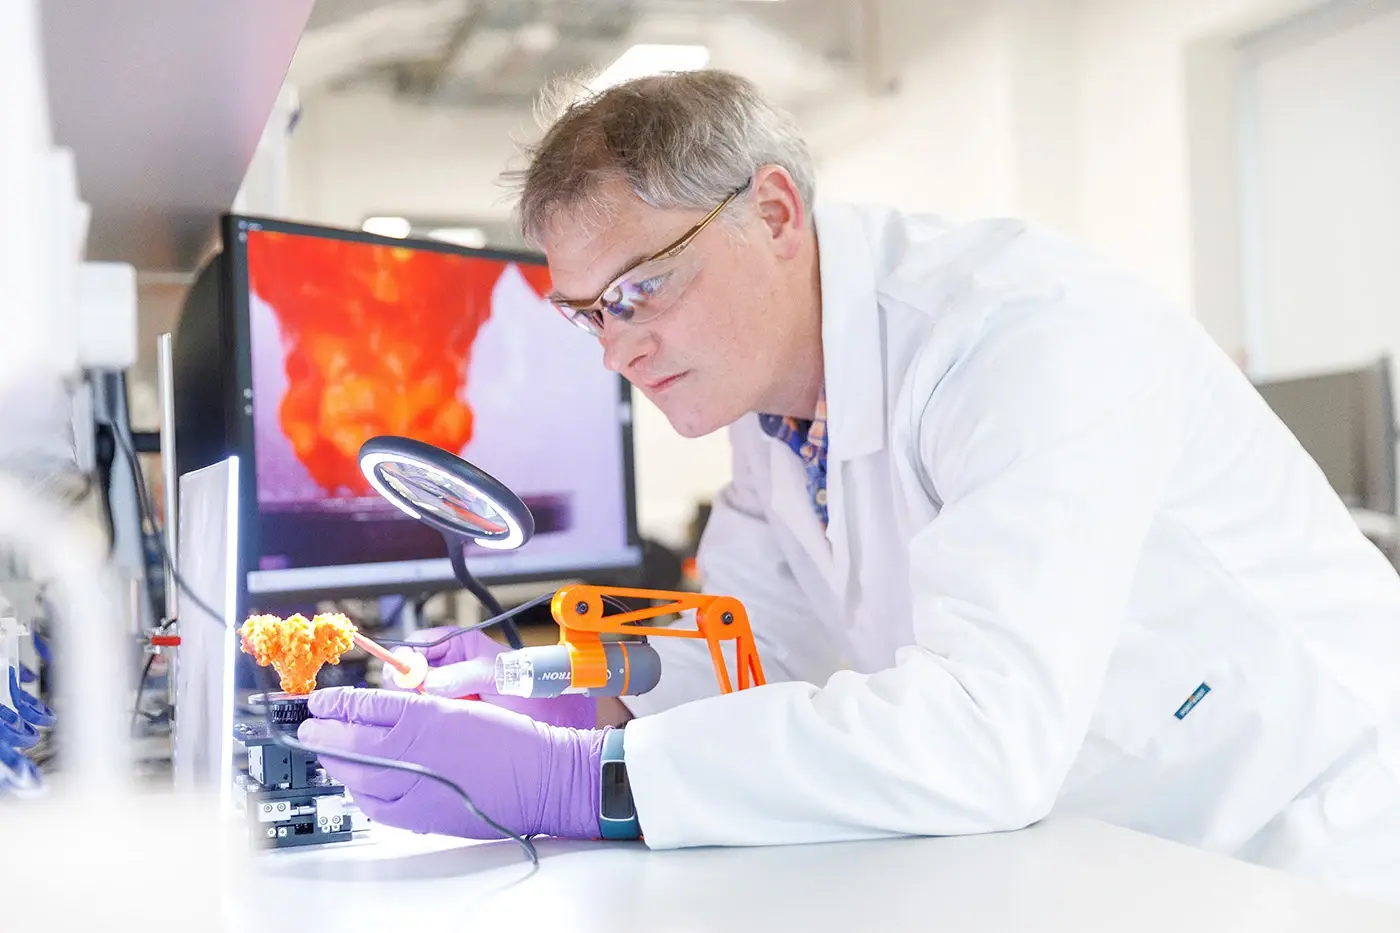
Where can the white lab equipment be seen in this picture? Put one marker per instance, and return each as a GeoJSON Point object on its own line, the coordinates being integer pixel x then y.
{"type": "Point", "coordinates": [62, 550]}
{"type": "Point", "coordinates": [40, 254]}
{"type": "Point", "coordinates": [1074, 563]}
{"type": "Point", "coordinates": [107, 316]}
{"type": "Point", "coordinates": [18, 774]}
{"type": "Point", "coordinates": [208, 564]}
{"type": "Point", "coordinates": [22, 715]}
{"type": "Point", "coordinates": [547, 671]}
{"type": "Point", "coordinates": [94, 46]}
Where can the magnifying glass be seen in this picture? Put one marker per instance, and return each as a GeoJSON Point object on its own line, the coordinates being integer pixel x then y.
{"type": "Point", "coordinates": [462, 502]}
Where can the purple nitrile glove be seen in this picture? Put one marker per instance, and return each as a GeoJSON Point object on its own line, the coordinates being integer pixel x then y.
{"type": "Point", "coordinates": [530, 777]}
{"type": "Point", "coordinates": [466, 664]}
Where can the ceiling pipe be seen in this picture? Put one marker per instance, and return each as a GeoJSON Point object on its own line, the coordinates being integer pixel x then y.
{"type": "Point", "coordinates": [877, 71]}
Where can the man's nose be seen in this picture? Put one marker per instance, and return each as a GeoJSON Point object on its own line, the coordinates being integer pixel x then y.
{"type": "Point", "coordinates": [625, 346]}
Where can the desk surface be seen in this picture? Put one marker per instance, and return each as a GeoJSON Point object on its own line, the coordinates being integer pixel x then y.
{"type": "Point", "coordinates": [1073, 875]}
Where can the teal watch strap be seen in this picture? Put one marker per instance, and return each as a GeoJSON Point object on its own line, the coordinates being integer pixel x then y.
{"type": "Point", "coordinates": [617, 815]}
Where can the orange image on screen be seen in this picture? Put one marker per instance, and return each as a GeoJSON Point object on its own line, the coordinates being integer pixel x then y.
{"type": "Point", "coordinates": [377, 340]}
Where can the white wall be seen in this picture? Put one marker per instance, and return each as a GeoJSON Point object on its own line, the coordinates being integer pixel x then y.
{"type": "Point", "coordinates": [1324, 154]}
{"type": "Point", "coordinates": [941, 143]}
{"type": "Point", "coordinates": [1074, 113]}
{"type": "Point", "coordinates": [366, 153]}
{"type": "Point", "coordinates": [1043, 54]}
{"type": "Point", "coordinates": [1139, 138]}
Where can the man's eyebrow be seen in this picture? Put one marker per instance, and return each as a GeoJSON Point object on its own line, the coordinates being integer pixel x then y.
{"type": "Point", "coordinates": [628, 267]}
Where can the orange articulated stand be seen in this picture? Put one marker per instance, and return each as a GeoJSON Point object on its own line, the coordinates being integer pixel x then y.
{"type": "Point", "coordinates": [296, 647]}
{"type": "Point", "coordinates": [579, 612]}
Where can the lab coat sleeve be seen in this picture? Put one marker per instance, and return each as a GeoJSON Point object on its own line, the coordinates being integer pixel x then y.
{"type": "Point", "coordinates": [739, 557]}
{"type": "Point", "coordinates": [1048, 444]}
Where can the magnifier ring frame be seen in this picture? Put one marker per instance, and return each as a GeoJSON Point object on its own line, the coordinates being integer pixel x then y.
{"type": "Point", "coordinates": [378, 451]}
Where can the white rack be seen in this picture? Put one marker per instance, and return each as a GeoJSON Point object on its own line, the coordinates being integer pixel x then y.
{"type": "Point", "coordinates": [126, 128]}
{"type": "Point", "coordinates": [163, 103]}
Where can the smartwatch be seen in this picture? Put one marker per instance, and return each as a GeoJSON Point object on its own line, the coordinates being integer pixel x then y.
{"type": "Point", "coordinates": [617, 816]}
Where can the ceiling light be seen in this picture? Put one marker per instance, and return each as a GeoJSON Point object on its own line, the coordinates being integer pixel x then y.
{"type": "Point", "coordinates": [396, 227]}
{"type": "Point", "coordinates": [538, 37]}
{"type": "Point", "coordinates": [642, 60]}
{"type": "Point", "coordinates": [471, 237]}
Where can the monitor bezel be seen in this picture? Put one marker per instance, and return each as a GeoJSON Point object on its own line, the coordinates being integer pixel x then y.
{"type": "Point", "coordinates": [233, 230]}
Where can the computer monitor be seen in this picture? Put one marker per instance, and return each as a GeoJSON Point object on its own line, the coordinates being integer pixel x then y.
{"type": "Point", "coordinates": [330, 337]}
{"type": "Point", "coordinates": [1345, 419]}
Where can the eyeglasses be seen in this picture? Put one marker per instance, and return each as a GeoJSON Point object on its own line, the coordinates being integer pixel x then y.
{"type": "Point", "coordinates": [646, 289]}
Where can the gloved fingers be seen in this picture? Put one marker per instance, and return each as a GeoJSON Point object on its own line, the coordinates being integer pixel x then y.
{"type": "Point", "coordinates": [430, 634]}
{"type": "Point", "coordinates": [538, 710]}
{"type": "Point", "coordinates": [337, 736]}
{"type": "Point", "coordinates": [434, 652]}
{"type": "Point", "coordinates": [378, 810]}
{"type": "Point", "coordinates": [463, 645]}
{"type": "Point", "coordinates": [573, 710]}
{"type": "Point", "coordinates": [378, 722]}
{"type": "Point", "coordinates": [462, 678]}
{"type": "Point", "coordinates": [352, 704]}
{"type": "Point", "coordinates": [328, 736]}
{"type": "Point", "coordinates": [448, 814]}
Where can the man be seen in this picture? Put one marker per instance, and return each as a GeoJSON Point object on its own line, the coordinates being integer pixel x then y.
{"type": "Point", "coordinates": [1014, 536]}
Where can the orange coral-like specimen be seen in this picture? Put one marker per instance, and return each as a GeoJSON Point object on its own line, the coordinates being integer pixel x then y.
{"type": "Point", "coordinates": [296, 646]}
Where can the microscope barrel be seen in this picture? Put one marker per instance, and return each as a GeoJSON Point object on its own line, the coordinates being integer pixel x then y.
{"type": "Point", "coordinates": [633, 668]}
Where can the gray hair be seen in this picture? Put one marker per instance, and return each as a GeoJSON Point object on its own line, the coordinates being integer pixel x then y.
{"type": "Point", "coordinates": [684, 140]}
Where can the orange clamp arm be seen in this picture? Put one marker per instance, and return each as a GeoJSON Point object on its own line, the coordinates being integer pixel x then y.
{"type": "Point", "coordinates": [581, 615]}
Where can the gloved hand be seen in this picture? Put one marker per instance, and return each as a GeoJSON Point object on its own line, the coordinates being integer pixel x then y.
{"type": "Point", "coordinates": [466, 664]}
{"type": "Point", "coordinates": [530, 777]}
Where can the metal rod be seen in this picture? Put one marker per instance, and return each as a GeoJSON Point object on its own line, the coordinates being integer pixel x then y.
{"type": "Point", "coordinates": [165, 361]}
{"type": "Point", "coordinates": [170, 480]}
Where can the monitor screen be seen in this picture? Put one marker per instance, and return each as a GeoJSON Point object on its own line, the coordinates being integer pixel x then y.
{"type": "Point", "coordinates": [350, 336]}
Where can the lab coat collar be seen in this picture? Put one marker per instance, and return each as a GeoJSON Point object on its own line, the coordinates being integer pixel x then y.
{"type": "Point", "coordinates": [851, 349]}
{"type": "Point", "coordinates": [853, 359]}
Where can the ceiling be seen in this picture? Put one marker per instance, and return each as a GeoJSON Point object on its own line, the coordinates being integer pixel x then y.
{"type": "Point", "coordinates": [500, 53]}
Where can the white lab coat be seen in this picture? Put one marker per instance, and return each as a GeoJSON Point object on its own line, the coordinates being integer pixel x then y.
{"type": "Point", "coordinates": [1056, 510]}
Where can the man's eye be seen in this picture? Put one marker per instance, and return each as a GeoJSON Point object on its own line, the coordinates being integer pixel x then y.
{"type": "Point", "coordinates": [649, 287]}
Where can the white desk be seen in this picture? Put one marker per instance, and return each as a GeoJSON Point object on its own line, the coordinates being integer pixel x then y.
{"type": "Point", "coordinates": [1076, 876]}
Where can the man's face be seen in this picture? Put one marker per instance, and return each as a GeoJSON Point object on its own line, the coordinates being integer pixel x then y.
{"type": "Point", "coordinates": [707, 358]}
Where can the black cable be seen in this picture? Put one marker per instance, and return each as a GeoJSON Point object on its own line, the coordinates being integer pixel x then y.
{"type": "Point", "coordinates": [617, 604]}
{"type": "Point", "coordinates": [276, 734]}
{"type": "Point", "coordinates": [281, 738]}
{"type": "Point", "coordinates": [141, 683]}
{"type": "Point", "coordinates": [473, 585]}
{"type": "Point", "coordinates": [141, 689]}
{"type": "Point", "coordinates": [143, 502]}
{"type": "Point", "coordinates": [103, 468]}
{"type": "Point", "coordinates": [504, 617]}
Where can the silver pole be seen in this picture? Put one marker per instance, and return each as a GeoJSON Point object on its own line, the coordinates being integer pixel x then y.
{"type": "Point", "coordinates": [170, 479]}
{"type": "Point", "coordinates": [169, 476]}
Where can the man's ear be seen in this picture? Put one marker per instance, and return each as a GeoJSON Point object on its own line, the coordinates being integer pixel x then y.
{"type": "Point", "coordinates": [779, 205]}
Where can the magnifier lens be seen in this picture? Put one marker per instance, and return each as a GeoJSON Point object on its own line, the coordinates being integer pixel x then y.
{"type": "Point", "coordinates": [446, 492]}
{"type": "Point", "coordinates": [445, 496]}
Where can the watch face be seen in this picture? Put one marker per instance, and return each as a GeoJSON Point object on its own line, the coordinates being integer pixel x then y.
{"type": "Point", "coordinates": [616, 792]}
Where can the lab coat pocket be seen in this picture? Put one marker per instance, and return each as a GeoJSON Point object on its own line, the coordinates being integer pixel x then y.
{"type": "Point", "coordinates": [1150, 685]}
